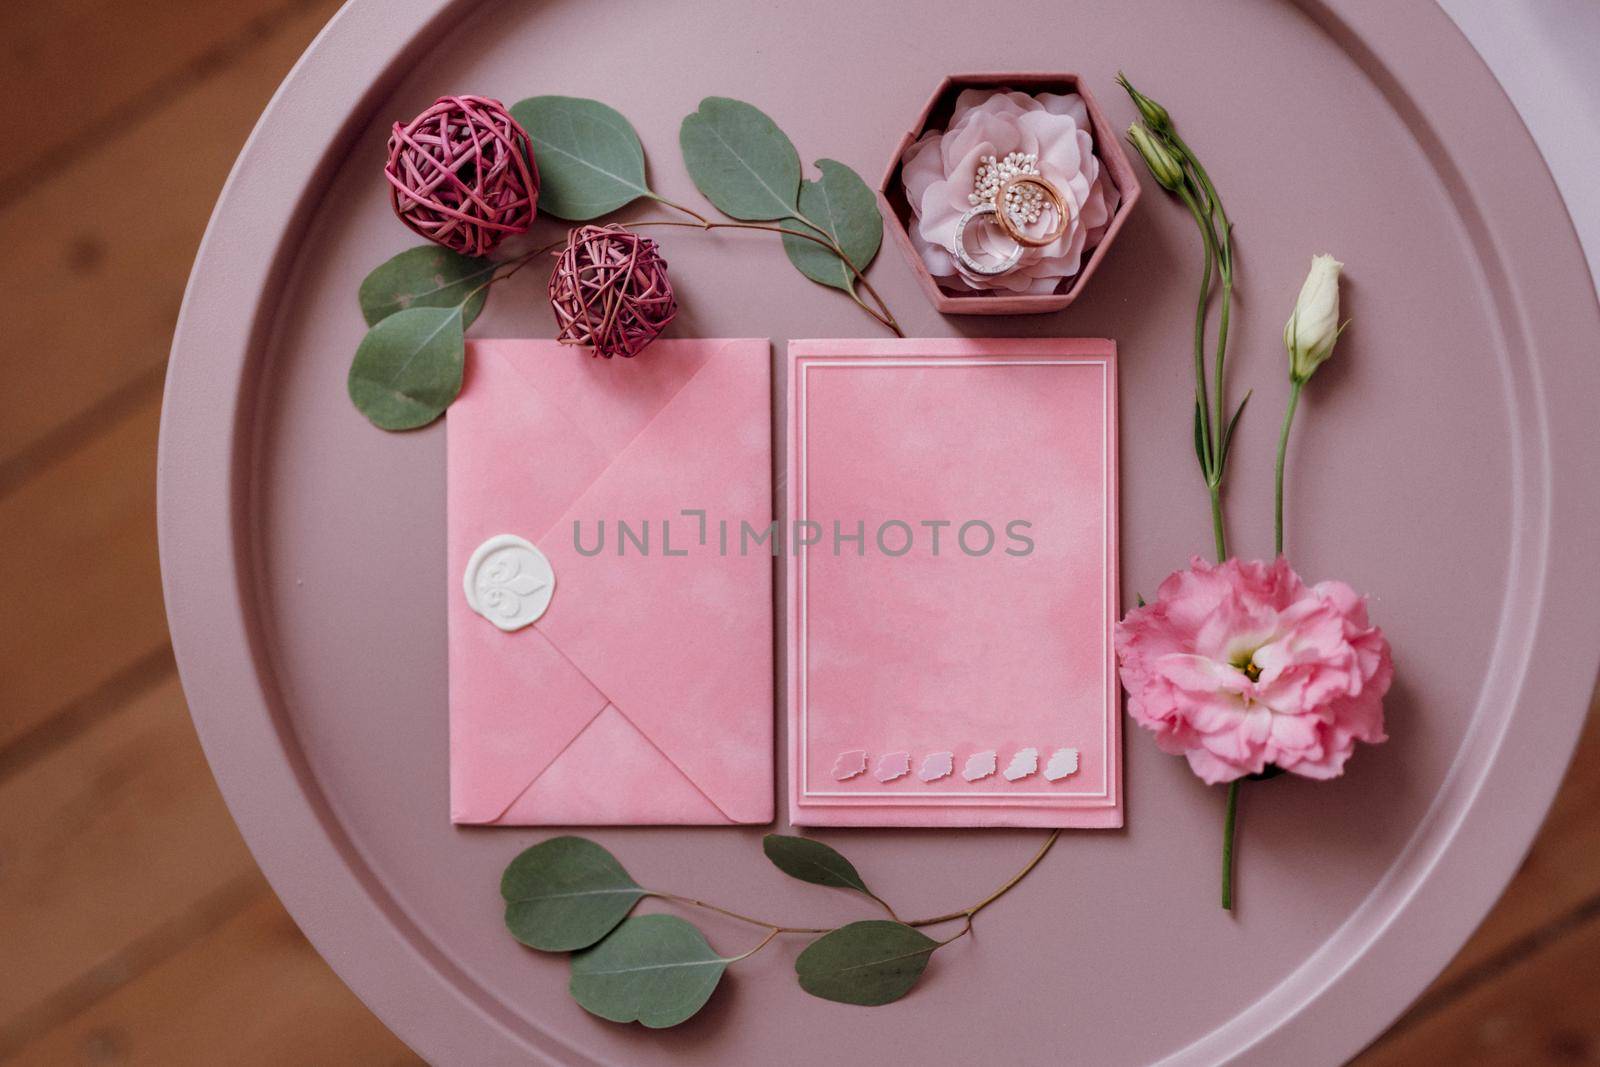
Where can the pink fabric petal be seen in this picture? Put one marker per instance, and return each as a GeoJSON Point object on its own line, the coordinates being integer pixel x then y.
{"type": "Point", "coordinates": [939, 168]}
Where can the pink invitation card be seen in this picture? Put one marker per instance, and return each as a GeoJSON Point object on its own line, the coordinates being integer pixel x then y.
{"type": "Point", "coordinates": [952, 578]}
{"type": "Point", "coordinates": [610, 654]}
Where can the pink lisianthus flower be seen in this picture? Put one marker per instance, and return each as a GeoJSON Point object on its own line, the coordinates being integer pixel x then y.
{"type": "Point", "coordinates": [1239, 666]}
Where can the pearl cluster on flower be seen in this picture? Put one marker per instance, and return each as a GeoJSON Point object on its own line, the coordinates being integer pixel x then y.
{"type": "Point", "coordinates": [1024, 205]}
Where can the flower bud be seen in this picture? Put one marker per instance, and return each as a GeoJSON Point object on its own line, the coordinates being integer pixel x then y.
{"type": "Point", "coordinates": [1314, 326]}
{"type": "Point", "coordinates": [1152, 112]}
{"type": "Point", "coordinates": [1158, 157]}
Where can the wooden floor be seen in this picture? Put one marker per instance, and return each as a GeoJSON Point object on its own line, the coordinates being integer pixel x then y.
{"type": "Point", "coordinates": [134, 926]}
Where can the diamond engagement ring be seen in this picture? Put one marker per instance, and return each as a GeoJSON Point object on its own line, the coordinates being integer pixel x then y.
{"type": "Point", "coordinates": [958, 245]}
{"type": "Point", "coordinates": [1015, 191]}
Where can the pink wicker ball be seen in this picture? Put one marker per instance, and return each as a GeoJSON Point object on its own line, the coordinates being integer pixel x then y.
{"type": "Point", "coordinates": [462, 174]}
{"type": "Point", "coordinates": [610, 291]}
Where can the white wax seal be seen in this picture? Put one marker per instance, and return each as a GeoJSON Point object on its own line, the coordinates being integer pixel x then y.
{"type": "Point", "coordinates": [509, 582]}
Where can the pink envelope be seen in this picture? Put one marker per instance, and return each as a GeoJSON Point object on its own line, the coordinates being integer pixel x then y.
{"type": "Point", "coordinates": [644, 693]}
{"type": "Point", "coordinates": [968, 682]}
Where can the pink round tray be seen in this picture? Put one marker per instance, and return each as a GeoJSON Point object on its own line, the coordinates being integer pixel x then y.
{"type": "Point", "coordinates": [1444, 462]}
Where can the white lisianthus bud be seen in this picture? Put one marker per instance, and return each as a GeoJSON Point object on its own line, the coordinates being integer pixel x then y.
{"type": "Point", "coordinates": [1314, 326]}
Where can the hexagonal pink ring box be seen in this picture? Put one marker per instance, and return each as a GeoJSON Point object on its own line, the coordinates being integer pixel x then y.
{"type": "Point", "coordinates": [935, 114]}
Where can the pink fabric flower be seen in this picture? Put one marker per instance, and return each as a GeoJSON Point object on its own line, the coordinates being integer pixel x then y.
{"type": "Point", "coordinates": [940, 166]}
{"type": "Point", "coordinates": [1239, 665]}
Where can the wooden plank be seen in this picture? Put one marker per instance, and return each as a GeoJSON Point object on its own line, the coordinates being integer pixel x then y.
{"type": "Point", "coordinates": [83, 590]}
{"type": "Point", "coordinates": [80, 63]}
{"type": "Point", "coordinates": [105, 839]}
{"type": "Point", "coordinates": [1542, 1010]}
{"type": "Point", "coordinates": [97, 291]}
{"type": "Point", "coordinates": [1555, 893]}
{"type": "Point", "coordinates": [252, 992]}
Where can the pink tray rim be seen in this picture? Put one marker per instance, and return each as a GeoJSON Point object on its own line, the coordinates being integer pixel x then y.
{"type": "Point", "coordinates": [1460, 856]}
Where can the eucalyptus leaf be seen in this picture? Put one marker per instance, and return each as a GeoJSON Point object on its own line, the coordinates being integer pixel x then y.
{"type": "Point", "coordinates": [740, 160]}
{"type": "Point", "coordinates": [426, 276]}
{"type": "Point", "coordinates": [565, 894]}
{"type": "Point", "coordinates": [654, 969]}
{"type": "Point", "coordinates": [590, 160]}
{"type": "Point", "coordinates": [408, 367]}
{"type": "Point", "coordinates": [868, 963]}
{"type": "Point", "coordinates": [844, 207]}
{"type": "Point", "coordinates": [812, 861]}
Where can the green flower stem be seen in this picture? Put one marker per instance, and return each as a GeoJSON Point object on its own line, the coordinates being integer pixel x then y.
{"type": "Point", "coordinates": [1211, 429]}
{"type": "Point", "coordinates": [1208, 464]}
{"type": "Point", "coordinates": [1228, 822]}
{"type": "Point", "coordinates": [1225, 275]}
{"type": "Point", "coordinates": [1283, 448]}
{"type": "Point", "coordinates": [1222, 242]}
{"type": "Point", "coordinates": [1199, 195]}
{"type": "Point", "coordinates": [1217, 232]}
{"type": "Point", "coordinates": [1219, 535]}
{"type": "Point", "coordinates": [1212, 199]}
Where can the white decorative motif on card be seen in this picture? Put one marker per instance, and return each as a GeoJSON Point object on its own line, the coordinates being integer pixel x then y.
{"type": "Point", "coordinates": [1024, 763]}
{"type": "Point", "coordinates": [892, 766]}
{"type": "Point", "coordinates": [1063, 761]}
{"type": "Point", "coordinates": [509, 582]}
{"type": "Point", "coordinates": [937, 765]}
{"type": "Point", "coordinates": [849, 764]}
{"type": "Point", "coordinates": [979, 765]}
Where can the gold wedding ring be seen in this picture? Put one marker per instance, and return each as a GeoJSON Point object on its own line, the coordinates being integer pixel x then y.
{"type": "Point", "coordinates": [1013, 229]}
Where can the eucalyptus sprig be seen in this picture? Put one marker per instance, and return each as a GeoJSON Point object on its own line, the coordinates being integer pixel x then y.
{"type": "Point", "coordinates": [568, 894]}
{"type": "Point", "coordinates": [419, 304]}
{"type": "Point", "coordinates": [591, 163]}
{"type": "Point", "coordinates": [1178, 170]}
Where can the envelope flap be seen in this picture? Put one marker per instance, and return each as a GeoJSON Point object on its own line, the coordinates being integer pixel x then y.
{"type": "Point", "coordinates": [515, 704]}
{"type": "Point", "coordinates": [517, 459]}
{"type": "Point", "coordinates": [683, 643]}
{"type": "Point", "coordinates": [610, 401]}
{"type": "Point", "coordinates": [612, 774]}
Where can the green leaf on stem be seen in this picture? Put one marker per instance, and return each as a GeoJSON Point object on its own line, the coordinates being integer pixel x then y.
{"type": "Point", "coordinates": [867, 963]}
{"type": "Point", "coordinates": [1200, 438]}
{"type": "Point", "coordinates": [565, 894]}
{"type": "Point", "coordinates": [844, 208]}
{"type": "Point", "coordinates": [741, 160]}
{"type": "Point", "coordinates": [655, 969]}
{"type": "Point", "coordinates": [1227, 434]}
{"type": "Point", "coordinates": [426, 276]}
{"type": "Point", "coordinates": [590, 160]}
{"type": "Point", "coordinates": [812, 861]}
{"type": "Point", "coordinates": [408, 367]}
